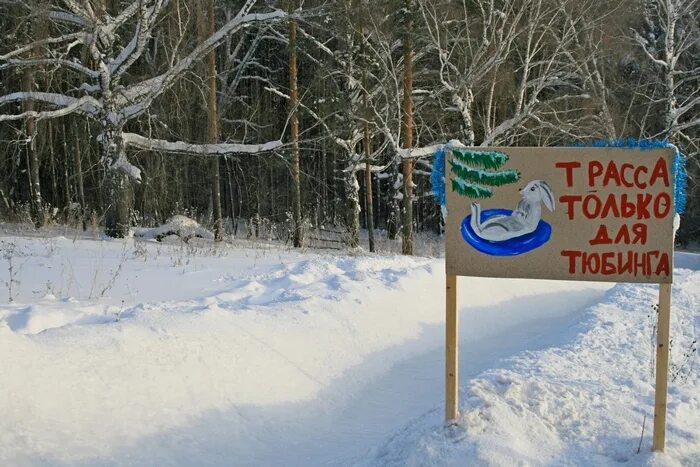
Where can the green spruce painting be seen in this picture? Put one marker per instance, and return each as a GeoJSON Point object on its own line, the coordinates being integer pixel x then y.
{"type": "Point", "coordinates": [477, 173]}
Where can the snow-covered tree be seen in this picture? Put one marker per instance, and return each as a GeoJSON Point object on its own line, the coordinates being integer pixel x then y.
{"type": "Point", "coordinates": [502, 67]}
{"type": "Point", "coordinates": [101, 47]}
{"type": "Point", "coordinates": [669, 40]}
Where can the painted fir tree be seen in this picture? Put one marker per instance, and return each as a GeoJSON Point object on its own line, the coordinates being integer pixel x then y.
{"type": "Point", "coordinates": [477, 173]}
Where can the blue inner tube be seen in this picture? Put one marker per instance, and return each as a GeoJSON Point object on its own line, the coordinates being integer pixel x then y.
{"type": "Point", "coordinates": [511, 247]}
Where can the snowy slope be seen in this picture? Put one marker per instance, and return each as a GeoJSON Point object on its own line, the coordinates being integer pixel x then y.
{"type": "Point", "coordinates": [582, 403]}
{"type": "Point", "coordinates": [139, 353]}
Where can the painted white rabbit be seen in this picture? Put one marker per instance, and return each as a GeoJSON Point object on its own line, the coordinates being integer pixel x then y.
{"type": "Point", "coordinates": [524, 218]}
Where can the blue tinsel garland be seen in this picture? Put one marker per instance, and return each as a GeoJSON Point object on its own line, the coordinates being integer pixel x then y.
{"type": "Point", "coordinates": [437, 177]}
{"type": "Point", "coordinates": [681, 176]}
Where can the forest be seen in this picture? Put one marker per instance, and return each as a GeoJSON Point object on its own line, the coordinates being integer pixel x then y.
{"type": "Point", "coordinates": [282, 118]}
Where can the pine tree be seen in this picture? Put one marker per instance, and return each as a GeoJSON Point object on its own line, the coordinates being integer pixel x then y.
{"type": "Point", "coordinates": [477, 172]}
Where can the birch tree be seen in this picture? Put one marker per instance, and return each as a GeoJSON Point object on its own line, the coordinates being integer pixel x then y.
{"type": "Point", "coordinates": [101, 48]}
{"type": "Point", "coordinates": [503, 68]}
{"type": "Point", "coordinates": [669, 40]}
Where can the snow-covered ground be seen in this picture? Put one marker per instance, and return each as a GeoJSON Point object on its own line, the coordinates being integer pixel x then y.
{"type": "Point", "coordinates": [140, 353]}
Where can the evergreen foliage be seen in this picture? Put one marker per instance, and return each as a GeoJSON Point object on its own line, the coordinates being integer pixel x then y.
{"type": "Point", "coordinates": [484, 178]}
{"type": "Point", "coordinates": [484, 159]}
{"type": "Point", "coordinates": [475, 182]}
{"type": "Point", "coordinates": [471, 190]}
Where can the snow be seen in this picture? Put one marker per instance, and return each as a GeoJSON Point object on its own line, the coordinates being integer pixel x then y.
{"type": "Point", "coordinates": [142, 353]}
{"type": "Point", "coordinates": [180, 147]}
{"type": "Point", "coordinates": [181, 226]}
{"type": "Point", "coordinates": [121, 163]}
{"type": "Point", "coordinates": [66, 105]}
{"type": "Point", "coordinates": [579, 404]}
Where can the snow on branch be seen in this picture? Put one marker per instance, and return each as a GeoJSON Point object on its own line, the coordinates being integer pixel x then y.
{"type": "Point", "coordinates": [320, 45]}
{"type": "Point", "coordinates": [345, 144]}
{"type": "Point", "coordinates": [509, 124]}
{"type": "Point", "coordinates": [82, 9]}
{"type": "Point", "coordinates": [50, 61]}
{"type": "Point", "coordinates": [78, 36]}
{"type": "Point", "coordinates": [415, 153]}
{"type": "Point", "coordinates": [643, 43]}
{"type": "Point", "coordinates": [180, 147]}
{"type": "Point", "coordinates": [86, 105]}
{"type": "Point", "coordinates": [687, 106]}
{"type": "Point", "coordinates": [66, 17]}
{"type": "Point", "coordinates": [689, 124]}
{"type": "Point", "coordinates": [361, 167]}
{"type": "Point", "coordinates": [127, 13]}
{"type": "Point", "coordinates": [135, 48]}
{"type": "Point", "coordinates": [121, 163]}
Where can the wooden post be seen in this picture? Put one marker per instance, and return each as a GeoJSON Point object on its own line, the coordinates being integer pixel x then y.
{"type": "Point", "coordinates": [662, 351]}
{"type": "Point", "coordinates": [451, 364]}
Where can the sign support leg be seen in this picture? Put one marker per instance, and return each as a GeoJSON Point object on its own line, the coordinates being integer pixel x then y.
{"type": "Point", "coordinates": [451, 351]}
{"type": "Point", "coordinates": [662, 353]}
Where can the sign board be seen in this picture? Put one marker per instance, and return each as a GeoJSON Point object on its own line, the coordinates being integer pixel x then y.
{"type": "Point", "coordinates": [598, 214]}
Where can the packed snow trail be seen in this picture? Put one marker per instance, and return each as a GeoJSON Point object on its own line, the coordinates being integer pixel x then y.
{"type": "Point", "coordinates": [414, 388]}
{"type": "Point", "coordinates": [250, 357]}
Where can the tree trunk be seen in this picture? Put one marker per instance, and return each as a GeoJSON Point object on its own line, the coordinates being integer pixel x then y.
{"type": "Point", "coordinates": [79, 173]}
{"type": "Point", "coordinates": [394, 202]}
{"type": "Point", "coordinates": [52, 162]}
{"type": "Point", "coordinates": [407, 130]}
{"type": "Point", "coordinates": [465, 110]}
{"type": "Point", "coordinates": [294, 129]}
{"type": "Point", "coordinates": [37, 210]}
{"type": "Point", "coordinates": [116, 186]}
{"type": "Point", "coordinates": [369, 211]}
{"type": "Point", "coordinates": [366, 143]}
{"type": "Point", "coordinates": [213, 129]}
{"type": "Point", "coordinates": [232, 205]}
{"type": "Point", "coordinates": [66, 176]}
{"type": "Point", "coordinates": [670, 117]}
{"type": "Point", "coordinates": [206, 26]}
{"type": "Point", "coordinates": [352, 196]}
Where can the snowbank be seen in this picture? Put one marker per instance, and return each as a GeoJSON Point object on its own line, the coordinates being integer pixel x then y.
{"type": "Point", "coordinates": [584, 403]}
{"type": "Point", "coordinates": [181, 226]}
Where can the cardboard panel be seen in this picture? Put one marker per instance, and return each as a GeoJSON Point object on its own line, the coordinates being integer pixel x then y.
{"type": "Point", "coordinates": [611, 218]}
